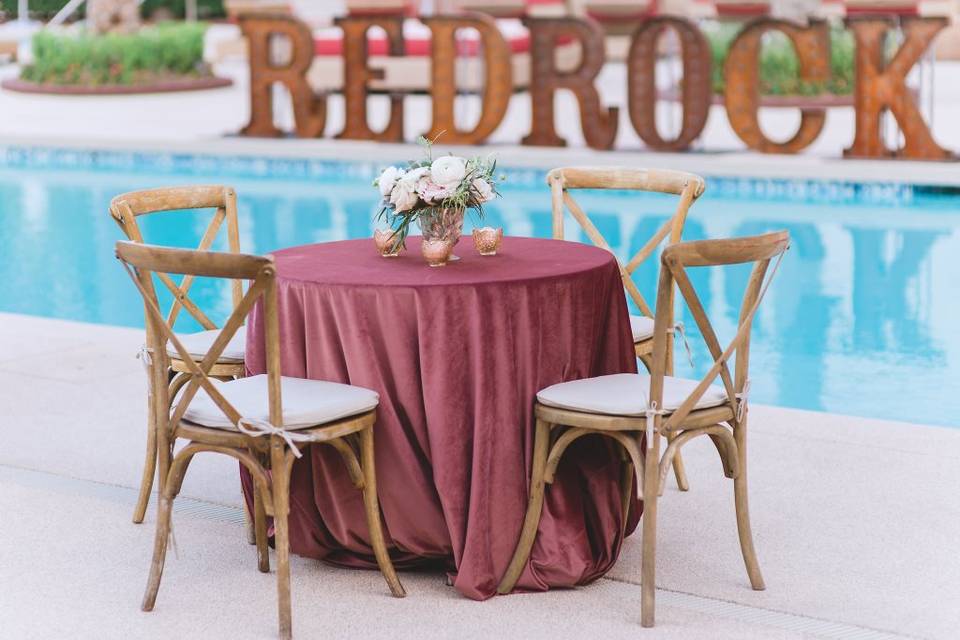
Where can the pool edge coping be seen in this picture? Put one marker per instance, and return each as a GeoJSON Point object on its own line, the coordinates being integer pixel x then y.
{"type": "Point", "coordinates": [729, 164]}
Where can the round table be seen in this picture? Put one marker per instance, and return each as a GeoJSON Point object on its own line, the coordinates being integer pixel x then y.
{"type": "Point", "coordinates": [457, 354]}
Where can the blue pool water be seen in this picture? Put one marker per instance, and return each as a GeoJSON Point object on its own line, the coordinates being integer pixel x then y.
{"type": "Point", "coordinates": [862, 319]}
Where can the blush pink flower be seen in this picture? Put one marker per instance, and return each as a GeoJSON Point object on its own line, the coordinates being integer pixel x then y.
{"type": "Point", "coordinates": [432, 193]}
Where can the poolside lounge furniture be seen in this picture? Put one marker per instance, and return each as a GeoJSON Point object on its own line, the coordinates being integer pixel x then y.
{"type": "Point", "coordinates": [262, 421]}
{"type": "Point", "coordinates": [741, 9]}
{"type": "Point", "coordinates": [881, 7]}
{"type": "Point", "coordinates": [381, 7]}
{"type": "Point", "coordinates": [636, 409]}
{"type": "Point", "coordinates": [310, 11]}
{"type": "Point", "coordinates": [508, 8]}
{"type": "Point", "coordinates": [411, 72]}
{"type": "Point", "coordinates": [618, 17]}
{"type": "Point", "coordinates": [408, 73]}
{"type": "Point", "coordinates": [125, 210]}
{"type": "Point", "coordinates": [686, 185]}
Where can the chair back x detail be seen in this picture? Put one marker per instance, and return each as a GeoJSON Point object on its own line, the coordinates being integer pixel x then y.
{"type": "Point", "coordinates": [127, 207]}
{"type": "Point", "coordinates": [143, 262]}
{"type": "Point", "coordinates": [759, 250]}
{"type": "Point", "coordinates": [686, 185]}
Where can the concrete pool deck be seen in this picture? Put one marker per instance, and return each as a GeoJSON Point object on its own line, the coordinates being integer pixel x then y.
{"type": "Point", "coordinates": [855, 523]}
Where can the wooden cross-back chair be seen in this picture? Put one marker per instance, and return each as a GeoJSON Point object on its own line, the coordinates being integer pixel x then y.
{"type": "Point", "coordinates": [687, 186]}
{"type": "Point", "coordinates": [635, 410]}
{"type": "Point", "coordinates": [262, 421]}
{"type": "Point", "coordinates": [125, 210]}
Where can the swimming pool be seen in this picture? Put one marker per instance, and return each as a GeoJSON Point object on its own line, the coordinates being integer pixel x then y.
{"type": "Point", "coordinates": [862, 319]}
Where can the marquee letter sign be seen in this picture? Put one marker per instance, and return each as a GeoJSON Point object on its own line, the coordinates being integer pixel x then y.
{"type": "Point", "coordinates": [696, 89]}
{"type": "Point", "coordinates": [357, 75]}
{"type": "Point", "coordinates": [599, 127]}
{"type": "Point", "coordinates": [309, 111]}
{"type": "Point", "coordinates": [878, 88]}
{"type": "Point", "coordinates": [498, 81]}
{"type": "Point", "coordinates": [742, 76]}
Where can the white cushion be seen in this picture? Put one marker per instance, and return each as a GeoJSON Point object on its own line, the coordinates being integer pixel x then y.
{"type": "Point", "coordinates": [642, 327]}
{"type": "Point", "coordinates": [625, 394]}
{"type": "Point", "coordinates": [198, 344]}
{"type": "Point", "coordinates": [306, 403]}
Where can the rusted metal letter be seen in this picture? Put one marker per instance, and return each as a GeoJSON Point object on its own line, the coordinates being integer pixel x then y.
{"type": "Point", "coordinates": [309, 110]}
{"type": "Point", "coordinates": [498, 81]}
{"type": "Point", "coordinates": [357, 76]}
{"type": "Point", "coordinates": [741, 74]}
{"type": "Point", "coordinates": [880, 88]}
{"type": "Point", "coordinates": [696, 90]}
{"type": "Point", "coordinates": [599, 125]}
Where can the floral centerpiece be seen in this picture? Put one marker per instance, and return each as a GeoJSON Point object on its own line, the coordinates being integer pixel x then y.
{"type": "Point", "coordinates": [435, 193]}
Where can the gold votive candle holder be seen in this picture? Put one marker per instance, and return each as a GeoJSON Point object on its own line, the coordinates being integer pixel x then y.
{"type": "Point", "coordinates": [487, 240]}
{"type": "Point", "coordinates": [385, 240]}
{"type": "Point", "coordinates": [436, 251]}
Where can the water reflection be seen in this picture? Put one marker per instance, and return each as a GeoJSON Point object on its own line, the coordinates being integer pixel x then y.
{"type": "Point", "coordinates": [862, 314]}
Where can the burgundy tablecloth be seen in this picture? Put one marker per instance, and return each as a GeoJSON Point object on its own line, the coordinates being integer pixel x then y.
{"type": "Point", "coordinates": [457, 355]}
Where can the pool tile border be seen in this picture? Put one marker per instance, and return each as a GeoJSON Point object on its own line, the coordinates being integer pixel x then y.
{"type": "Point", "coordinates": [220, 165]}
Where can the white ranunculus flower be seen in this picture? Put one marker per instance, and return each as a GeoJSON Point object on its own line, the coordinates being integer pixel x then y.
{"type": "Point", "coordinates": [404, 195]}
{"type": "Point", "coordinates": [448, 170]}
{"type": "Point", "coordinates": [413, 176]}
{"type": "Point", "coordinates": [483, 189]}
{"type": "Point", "coordinates": [387, 179]}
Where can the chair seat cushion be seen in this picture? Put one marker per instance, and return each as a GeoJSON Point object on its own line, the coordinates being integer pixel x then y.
{"type": "Point", "coordinates": [306, 403]}
{"type": "Point", "coordinates": [198, 344]}
{"type": "Point", "coordinates": [642, 328]}
{"type": "Point", "coordinates": [625, 394]}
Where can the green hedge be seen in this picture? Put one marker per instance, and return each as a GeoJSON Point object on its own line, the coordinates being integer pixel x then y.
{"type": "Point", "coordinates": [161, 52]}
{"type": "Point", "coordinates": [206, 9]}
{"type": "Point", "coordinates": [780, 68]}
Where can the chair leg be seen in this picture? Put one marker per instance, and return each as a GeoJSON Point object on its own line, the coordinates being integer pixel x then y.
{"type": "Point", "coordinates": [534, 507]}
{"type": "Point", "coordinates": [280, 472]}
{"type": "Point", "coordinates": [260, 529]}
{"type": "Point", "coordinates": [679, 471]}
{"type": "Point", "coordinates": [164, 507]}
{"type": "Point", "coordinates": [743, 526]}
{"type": "Point", "coordinates": [249, 525]}
{"type": "Point", "coordinates": [626, 492]}
{"type": "Point", "coordinates": [149, 466]}
{"type": "Point", "coordinates": [648, 568]}
{"type": "Point", "coordinates": [372, 508]}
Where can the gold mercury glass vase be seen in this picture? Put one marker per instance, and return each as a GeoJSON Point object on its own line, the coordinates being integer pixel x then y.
{"type": "Point", "coordinates": [441, 226]}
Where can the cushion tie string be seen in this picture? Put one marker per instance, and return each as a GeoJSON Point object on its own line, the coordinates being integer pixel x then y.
{"type": "Point", "coordinates": [650, 412]}
{"type": "Point", "coordinates": [256, 428]}
{"type": "Point", "coordinates": [678, 329]}
{"type": "Point", "coordinates": [144, 355]}
{"type": "Point", "coordinates": [743, 397]}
